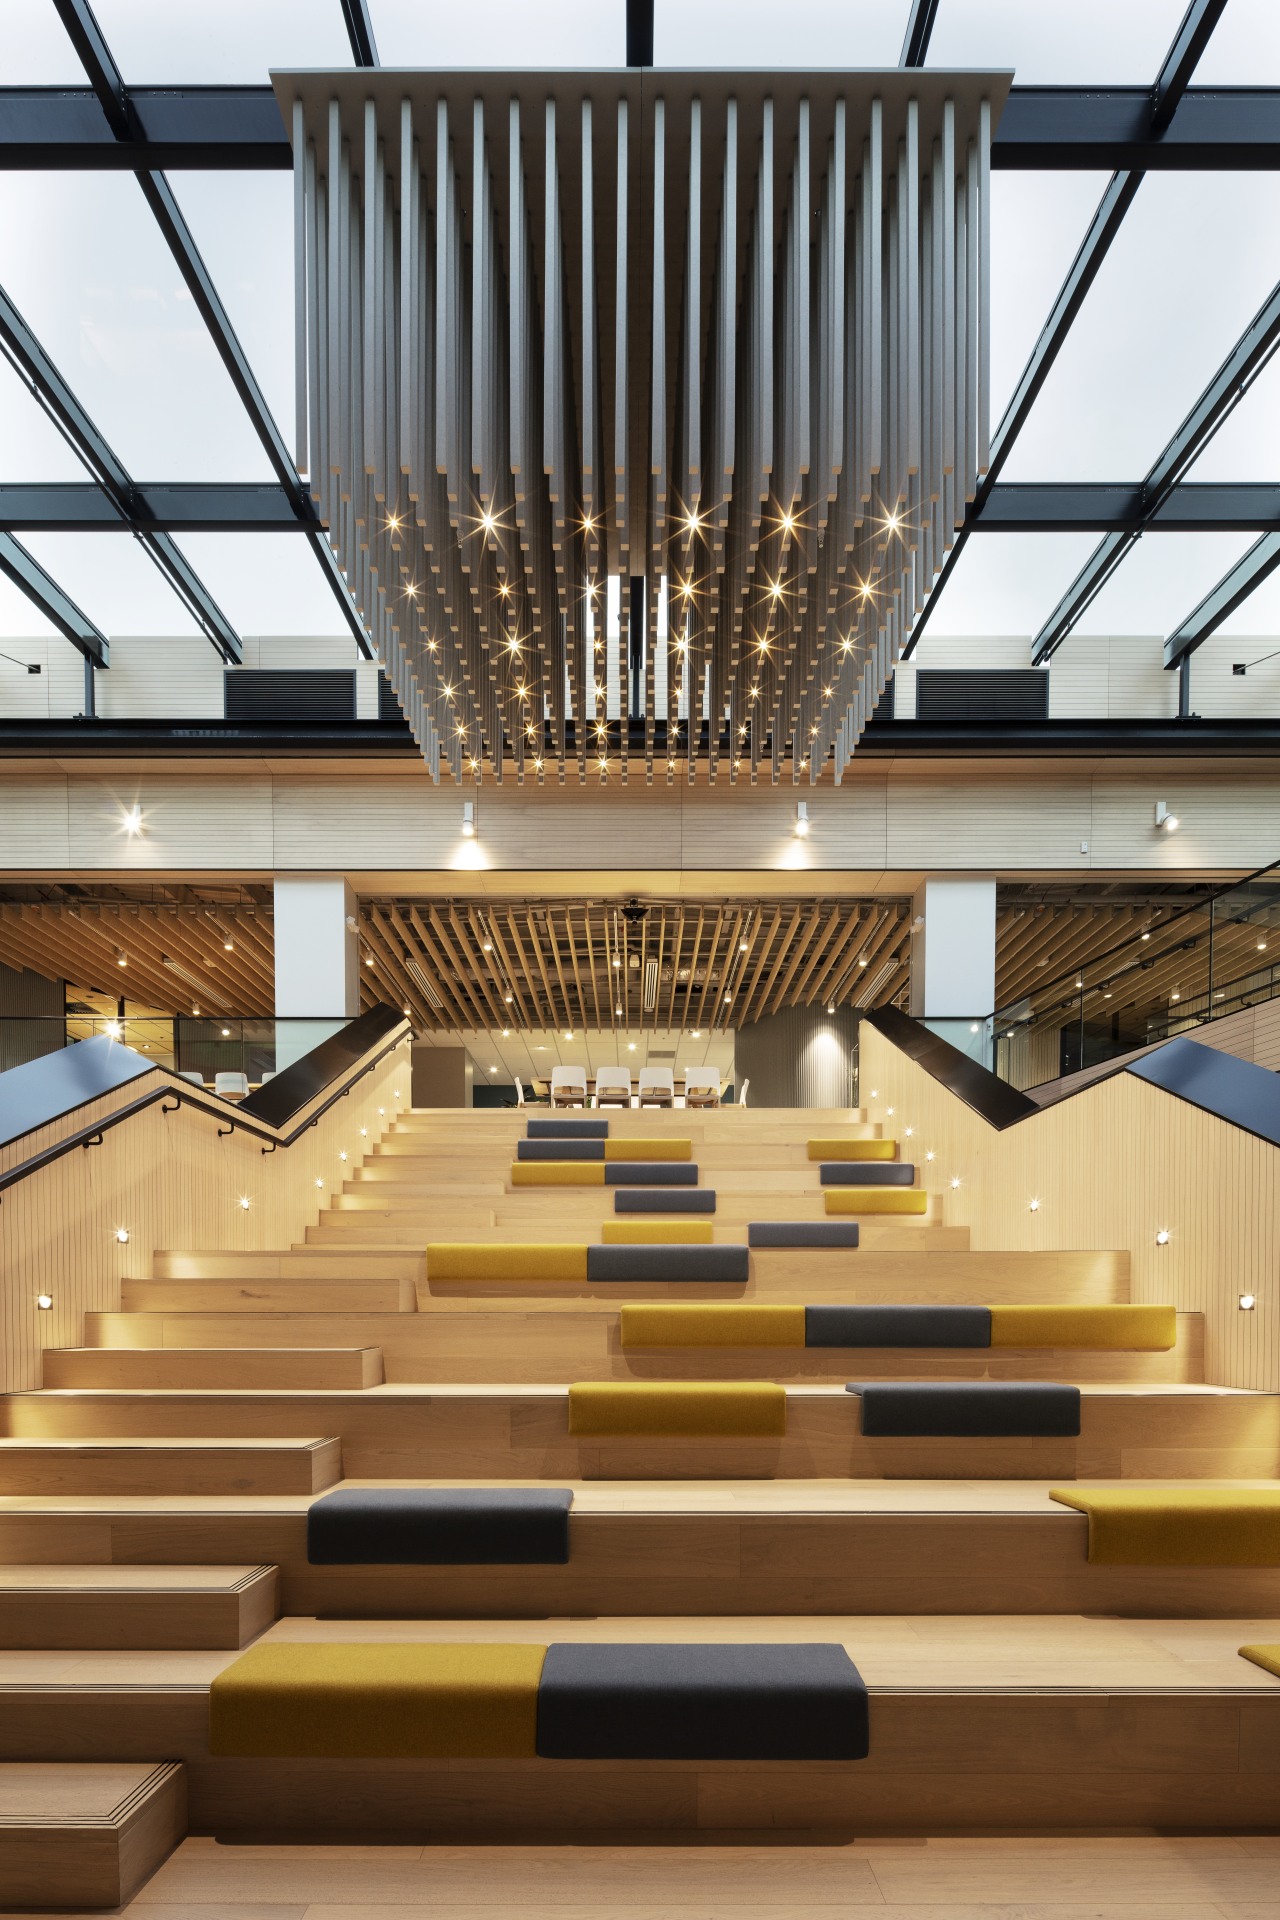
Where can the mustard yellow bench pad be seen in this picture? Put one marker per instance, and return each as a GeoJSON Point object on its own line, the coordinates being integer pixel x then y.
{"type": "Point", "coordinates": [377, 1700]}
{"type": "Point", "coordinates": [712, 1407]}
{"type": "Point", "coordinates": [853, 1149]}
{"type": "Point", "coordinates": [1268, 1657]}
{"type": "Point", "coordinates": [876, 1200]}
{"type": "Point", "coordinates": [523, 1260]}
{"type": "Point", "coordinates": [648, 1149]}
{"type": "Point", "coordinates": [557, 1173]}
{"type": "Point", "coordinates": [1120, 1329]}
{"type": "Point", "coordinates": [661, 1325]}
{"type": "Point", "coordinates": [1179, 1526]}
{"type": "Point", "coordinates": [657, 1233]}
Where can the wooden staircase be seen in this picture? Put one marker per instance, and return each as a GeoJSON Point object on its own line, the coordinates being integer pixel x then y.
{"type": "Point", "coordinates": [154, 1495]}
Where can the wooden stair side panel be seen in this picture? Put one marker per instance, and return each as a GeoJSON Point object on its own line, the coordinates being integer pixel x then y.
{"type": "Point", "coordinates": [160, 1608]}
{"type": "Point", "coordinates": [96, 1467]}
{"type": "Point", "coordinates": [235, 1369]}
{"type": "Point", "coordinates": [80, 1835]}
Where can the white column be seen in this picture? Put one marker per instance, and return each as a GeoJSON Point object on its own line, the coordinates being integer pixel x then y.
{"type": "Point", "coordinates": [953, 960]}
{"type": "Point", "coordinates": [317, 961]}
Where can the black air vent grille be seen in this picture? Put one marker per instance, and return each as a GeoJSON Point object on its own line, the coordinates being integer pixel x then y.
{"type": "Point", "coordinates": [977, 693]}
{"type": "Point", "coordinates": [265, 694]}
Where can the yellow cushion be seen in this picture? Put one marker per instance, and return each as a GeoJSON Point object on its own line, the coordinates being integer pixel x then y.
{"type": "Point", "coordinates": [715, 1407]}
{"type": "Point", "coordinates": [1179, 1526]}
{"type": "Point", "coordinates": [853, 1149]}
{"type": "Point", "coordinates": [1268, 1657]}
{"type": "Point", "coordinates": [648, 1149]}
{"type": "Point", "coordinates": [633, 1233]}
{"type": "Point", "coordinates": [712, 1326]}
{"type": "Point", "coordinates": [1115, 1329]}
{"type": "Point", "coordinates": [557, 1173]}
{"type": "Point", "coordinates": [876, 1200]}
{"type": "Point", "coordinates": [335, 1700]}
{"type": "Point", "coordinates": [526, 1260]}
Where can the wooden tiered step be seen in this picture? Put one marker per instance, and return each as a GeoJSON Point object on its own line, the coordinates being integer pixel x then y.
{"type": "Point", "coordinates": [153, 1606]}
{"type": "Point", "coordinates": [82, 1835]}
{"type": "Point", "coordinates": [269, 1296]}
{"type": "Point", "coordinates": [168, 1466]}
{"type": "Point", "coordinates": [290, 1263]}
{"type": "Point", "coordinates": [233, 1369]}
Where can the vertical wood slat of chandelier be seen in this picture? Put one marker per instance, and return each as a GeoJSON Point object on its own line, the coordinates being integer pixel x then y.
{"type": "Point", "coordinates": [729, 330]}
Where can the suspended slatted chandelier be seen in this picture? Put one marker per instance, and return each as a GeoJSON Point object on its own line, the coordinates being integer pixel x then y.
{"type": "Point", "coordinates": [725, 334]}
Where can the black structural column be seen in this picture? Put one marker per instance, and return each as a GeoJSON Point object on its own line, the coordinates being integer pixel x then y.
{"type": "Point", "coordinates": [639, 33]}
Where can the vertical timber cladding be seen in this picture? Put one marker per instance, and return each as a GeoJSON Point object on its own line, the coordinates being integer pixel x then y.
{"type": "Point", "coordinates": [729, 329]}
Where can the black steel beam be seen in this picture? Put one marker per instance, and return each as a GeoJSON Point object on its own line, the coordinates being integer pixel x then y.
{"type": "Point", "coordinates": [44, 592]}
{"type": "Point", "coordinates": [639, 33]}
{"type": "Point", "coordinates": [1182, 59]}
{"type": "Point", "coordinates": [915, 41]}
{"type": "Point", "coordinates": [1231, 591]}
{"type": "Point", "coordinates": [1228, 385]}
{"type": "Point", "coordinates": [364, 48]}
{"type": "Point", "coordinates": [1101, 129]}
{"type": "Point", "coordinates": [190, 507]}
{"type": "Point", "coordinates": [1099, 507]}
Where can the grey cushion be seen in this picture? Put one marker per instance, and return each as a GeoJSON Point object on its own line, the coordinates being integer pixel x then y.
{"type": "Point", "coordinates": [650, 1173]}
{"type": "Point", "coordinates": [663, 1200]}
{"type": "Point", "coordinates": [566, 1129]}
{"type": "Point", "coordinates": [966, 1409]}
{"type": "Point", "coordinates": [669, 1261]}
{"type": "Point", "coordinates": [567, 1149]}
{"type": "Point", "coordinates": [440, 1526]}
{"type": "Point", "coordinates": [867, 1173]}
{"type": "Point", "coordinates": [875, 1326]}
{"type": "Point", "coordinates": [690, 1702]}
{"type": "Point", "coordinates": [802, 1233]}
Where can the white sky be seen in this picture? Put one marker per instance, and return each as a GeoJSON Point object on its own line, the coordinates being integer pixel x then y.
{"type": "Point", "coordinates": [83, 260]}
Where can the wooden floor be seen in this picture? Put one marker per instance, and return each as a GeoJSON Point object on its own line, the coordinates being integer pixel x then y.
{"type": "Point", "coordinates": [778, 1877]}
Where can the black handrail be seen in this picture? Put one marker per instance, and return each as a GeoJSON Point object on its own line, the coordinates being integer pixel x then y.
{"type": "Point", "coordinates": [183, 1095]}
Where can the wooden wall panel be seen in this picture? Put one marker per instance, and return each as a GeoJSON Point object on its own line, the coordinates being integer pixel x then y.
{"type": "Point", "coordinates": [1111, 1168]}
{"type": "Point", "coordinates": [229, 826]}
{"type": "Point", "coordinates": [950, 821]}
{"type": "Point", "coordinates": [171, 1182]}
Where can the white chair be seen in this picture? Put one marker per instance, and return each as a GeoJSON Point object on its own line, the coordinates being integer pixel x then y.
{"type": "Point", "coordinates": [701, 1087]}
{"type": "Point", "coordinates": [270, 1074]}
{"type": "Point", "coordinates": [657, 1087]}
{"type": "Point", "coordinates": [196, 1079]}
{"type": "Point", "coordinates": [742, 1093]}
{"type": "Point", "coordinates": [613, 1086]}
{"type": "Point", "coordinates": [568, 1086]}
{"type": "Point", "coordinates": [519, 1091]}
{"type": "Point", "coordinates": [231, 1086]}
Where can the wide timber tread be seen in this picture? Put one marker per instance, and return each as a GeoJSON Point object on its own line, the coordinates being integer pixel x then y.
{"type": "Point", "coordinates": [403, 1430]}
{"type": "Point", "coordinates": [190, 1465]}
{"type": "Point", "coordinates": [82, 1835]}
{"type": "Point", "coordinates": [269, 1296]}
{"type": "Point", "coordinates": [749, 1548]}
{"type": "Point", "coordinates": [1002, 1723]}
{"type": "Point", "coordinates": [151, 1607]}
{"type": "Point", "coordinates": [230, 1369]}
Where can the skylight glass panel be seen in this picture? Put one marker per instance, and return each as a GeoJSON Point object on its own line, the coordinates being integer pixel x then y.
{"type": "Point", "coordinates": [1244, 48]}
{"type": "Point", "coordinates": [1007, 583]}
{"type": "Point", "coordinates": [20, 619]}
{"type": "Point", "coordinates": [1052, 43]}
{"type": "Point", "coordinates": [267, 583]}
{"type": "Point", "coordinates": [112, 311]}
{"type": "Point", "coordinates": [1258, 617]}
{"type": "Point", "coordinates": [243, 225]}
{"type": "Point", "coordinates": [112, 580]}
{"type": "Point", "coordinates": [32, 448]}
{"type": "Point", "coordinates": [499, 33]}
{"type": "Point", "coordinates": [1161, 580]}
{"type": "Point", "coordinates": [1247, 444]}
{"type": "Point", "coordinates": [1037, 223]}
{"type": "Point", "coordinates": [156, 42]}
{"type": "Point", "coordinates": [760, 33]}
{"type": "Point", "coordinates": [37, 50]}
{"type": "Point", "coordinates": [1182, 280]}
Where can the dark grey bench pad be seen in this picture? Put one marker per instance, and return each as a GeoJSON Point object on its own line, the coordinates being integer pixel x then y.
{"type": "Point", "coordinates": [969, 1409]}
{"type": "Point", "coordinates": [890, 1326]}
{"type": "Point", "coordinates": [681, 1702]}
{"type": "Point", "coordinates": [567, 1129]}
{"type": "Point", "coordinates": [564, 1148]}
{"type": "Point", "coordinates": [867, 1173]}
{"type": "Point", "coordinates": [650, 1173]}
{"type": "Point", "coordinates": [440, 1527]}
{"type": "Point", "coordinates": [647, 1200]}
{"type": "Point", "coordinates": [665, 1261]}
{"type": "Point", "coordinates": [802, 1233]}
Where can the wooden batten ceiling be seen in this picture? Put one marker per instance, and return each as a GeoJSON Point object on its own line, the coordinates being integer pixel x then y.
{"type": "Point", "coordinates": [226, 954]}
